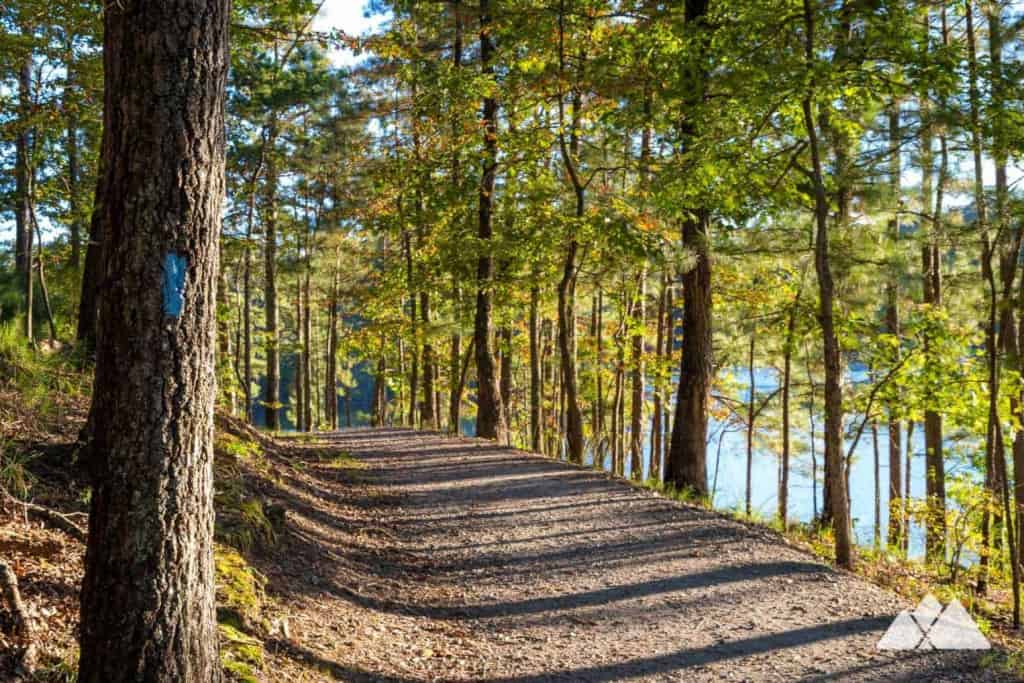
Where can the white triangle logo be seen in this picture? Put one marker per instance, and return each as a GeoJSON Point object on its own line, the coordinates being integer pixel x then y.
{"type": "Point", "coordinates": [929, 627]}
{"type": "Point", "coordinates": [903, 634]}
{"type": "Point", "coordinates": [955, 630]}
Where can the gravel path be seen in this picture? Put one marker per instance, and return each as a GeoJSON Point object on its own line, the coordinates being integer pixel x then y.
{"type": "Point", "coordinates": [489, 564]}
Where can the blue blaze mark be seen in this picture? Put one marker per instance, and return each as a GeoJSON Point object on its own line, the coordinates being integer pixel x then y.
{"type": "Point", "coordinates": [175, 266]}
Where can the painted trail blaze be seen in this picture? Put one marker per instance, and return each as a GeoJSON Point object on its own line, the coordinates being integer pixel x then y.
{"type": "Point", "coordinates": [175, 267]}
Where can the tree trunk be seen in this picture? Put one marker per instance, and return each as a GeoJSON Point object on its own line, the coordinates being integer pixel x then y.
{"type": "Point", "coordinates": [22, 170]}
{"type": "Point", "coordinates": [686, 464]}
{"type": "Point", "coordinates": [307, 354]}
{"type": "Point", "coordinates": [271, 393]}
{"type": "Point", "coordinates": [454, 385]}
{"type": "Point", "coordinates": [536, 388]}
{"type": "Point", "coordinates": [787, 377]}
{"type": "Point", "coordinates": [751, 416]}
{"type": "Point", "coordinates": [656, 416]}
{"type": "Point", "coordinates": [636, 422]}
{"type": "Point", "coordinates": [505, 383]}
{"type": "Point", "coordinates": [991, 348]}
{"type": "Point", "coordinates": [429, 400]}
{"type": "Point", "coordinates": [835, 479]}
{"type": "Point", "coordinates": [88, 300]}
{"type": "Point", "coordinates": [897, 503]}
{"type": "Point", "coordinates": [573, 428]}
{"type": "Point", "coordinates": [147, 603]}
{"type": "Point", "coordinates": [71, 148]}
{"type": "Point", "coordinates": [300, 363]}
{"type": "Point", "coordinates": [878, 485]}
{"type": "Point", "coordinates": [931, 275]}
{"type": "Point", "coordinates": [490, 418]}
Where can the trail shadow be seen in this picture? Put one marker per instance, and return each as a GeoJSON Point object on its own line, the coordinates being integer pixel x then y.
{"type": "Point", "coordinates": [689, 658]}
{"type": "Point", "coordinates": [336, 671]}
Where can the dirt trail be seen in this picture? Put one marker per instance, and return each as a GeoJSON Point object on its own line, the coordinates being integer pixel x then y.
{"type": "Point", "coordinates": [465, 561]}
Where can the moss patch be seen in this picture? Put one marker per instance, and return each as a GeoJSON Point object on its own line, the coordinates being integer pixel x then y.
{"type": "Point", "coordinates": [239, 603]}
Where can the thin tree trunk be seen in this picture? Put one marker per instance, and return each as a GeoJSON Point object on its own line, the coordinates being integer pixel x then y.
{"type": "Point", "coordinates": [751, 415]}
{"type": "Point", "coordinates": [22, 170]}
{"type": "Point", "coordinates": [88, 300]}
{"type": "Point", "coordinates": [71, 148]}
{"type": "Point", "coordinates": [271, 392]}
{"type": "Point", "coordinates": [147, 601]}
{"type": "Point", "coordinates": [931, 275]}
{"type": "Point", "coordinates": [307, 354]}
{"type": "Point", "coordinates": [835, 479]}
{"type": "Point", "coordinates": [536, 382]}
{"type": "Point", "coordinates": [897, 503]}
{"type": "Point", "coordinates": [878, 484]}
{"type": "Point", "coordinates": [429, 399]}
{"type": "Point", "coordinates": [505, 384]}
{"type": "Point", "coordinates": [42, 274]}
{"type": "Point", "coordinates": [659, 352]}
{"type": "Point", "coordinates": [636, 427]}
{"type": "Point", "coordinates": [991, 349]}
{"type": "Point", "coordinates": [787, 377]}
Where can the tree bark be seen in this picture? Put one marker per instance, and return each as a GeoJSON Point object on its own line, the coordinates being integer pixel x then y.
{"type": "Point", "coordinates": [835, 480]}
{"type": "Point", "coordinates": [22, 171]}
{"type": "Point", "coordinates": [751, 416]}
{"type": "Point", "coordinates": [88, 301]}
{"type": "Point", "coordinates": [656, 415]}
{"type": "Point", "coordinates": [686, 463]}
{"type": "Point", "coordinates": [636, 421]}
{"type": "Point", "coordinates": [71, 148]}
{"type": "Point", "coordinates": [147, 603]}
{"type": "Point", "coordinates": [490, 418]}
{"type": "Point", "coordinates": [787, 380]}
{"type": "Point", "coordinates": [931, 275]}
{"type": "Point", "coordinates": [536, 387]}
{"type": "Point", "coordinates": [271, 392]}
{"type": "Point", "coordinates": [897, 503]}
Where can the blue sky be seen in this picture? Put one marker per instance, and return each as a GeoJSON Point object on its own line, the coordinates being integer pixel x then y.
{"type": "Point", "coordinates": [348, 16]}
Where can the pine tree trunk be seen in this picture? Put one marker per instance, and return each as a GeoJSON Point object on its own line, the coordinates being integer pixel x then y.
{"type": "Point", "coordinates": [147, 602]}
{"type": "Point", "coordinates": [536, 384]}
{"type": "Point", "coordinates": [787, 380]}
{"type": "Point", "coordinates": [429, 399]}
{"type": "Point", "coordinates": [897, 503]}
{"type": "Point", "coordinates": [991, 348]}
{"type": "Point", "coordinates": [686, 463]}
{"type": "Point", "coordinates": [636, 421]}
{"type": "Point", "coordinates": [88, 300]}
{"type": "Point", "coordinates": [271, 393]}
{"type": "Point", "coordinates": [71, 148]}
{"type": "Point", "coordinates": [307, 355]}
{"type": "Point", "coordinates": [300, 364]}
{"type": "Point", "coordinates": [490, 417]}
{"type": "Point", "coordinates": [656, 416]}
{"type": "Point", "coordinates": [931, 275]}
{"type": "Point", "coordinates": [835, 481]}
{"type": "Point", "coordinates": [751, 415]}
{"type": "Point", "coordinates": [22, 171]}
{"type": "Point", "coordinates": [505, 377]}
{"type": "Point", "coordinates": [878, 484]}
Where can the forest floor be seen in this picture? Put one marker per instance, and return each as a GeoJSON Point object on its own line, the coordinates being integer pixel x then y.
{"type": "Point", "coordinates": [398, 555]}
{"type": "Point", "coordinates": [460, 560]}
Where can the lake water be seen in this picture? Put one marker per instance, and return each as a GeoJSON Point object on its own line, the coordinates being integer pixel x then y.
{"type": "Point", "coordinates": [727, 462]}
